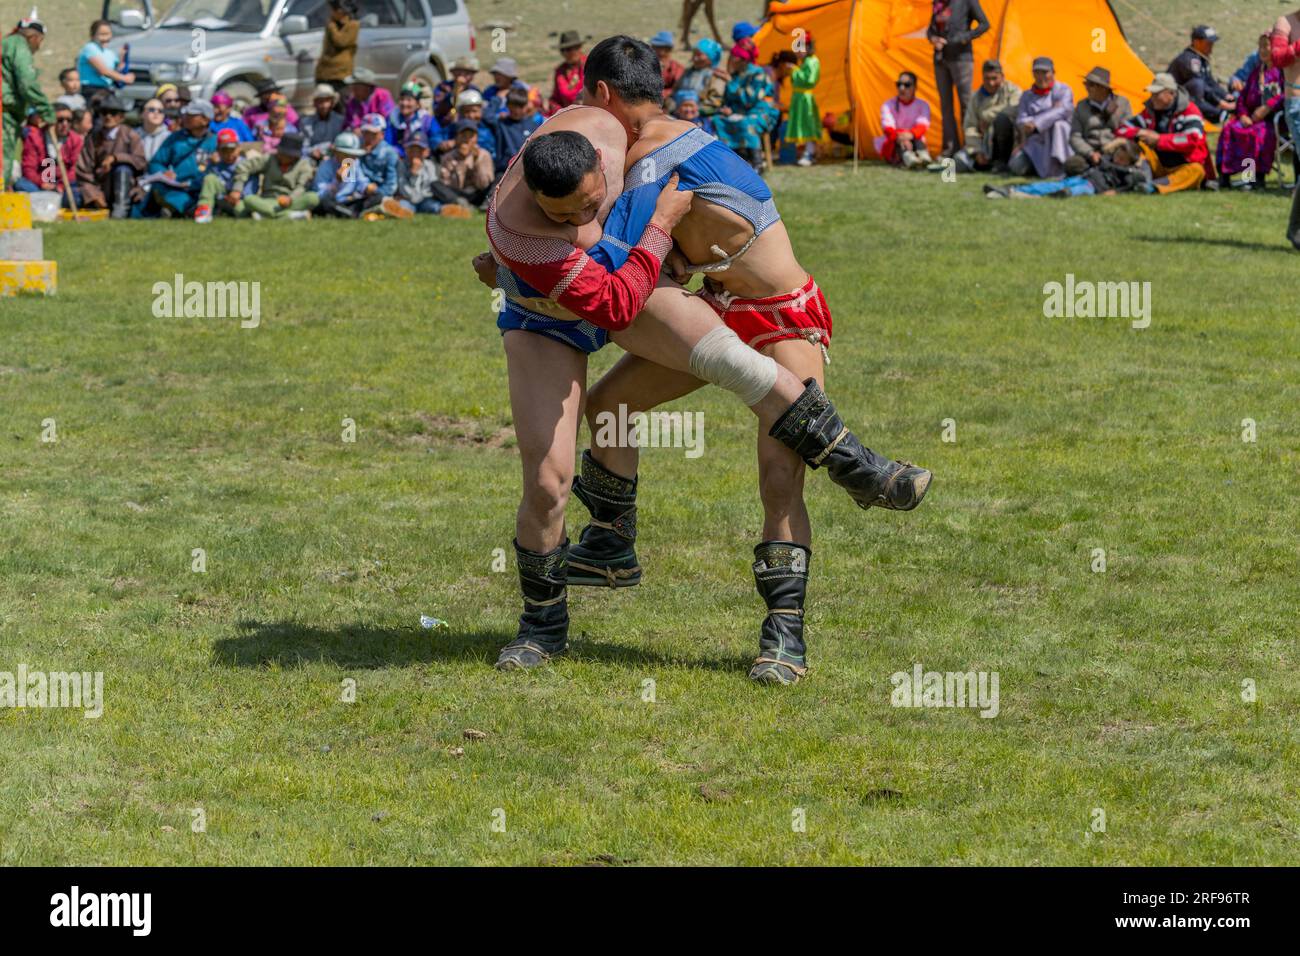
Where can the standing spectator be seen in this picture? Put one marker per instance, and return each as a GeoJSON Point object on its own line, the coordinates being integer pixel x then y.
{"type": "Point", "coordinates": [511, 131]}
{"type": "Point", "coordinates": [338, 49]}
{"type": "Point", "coordinates": [905, 120]}
{"type": "Point", "coordinates": [71, 96]}
{"type": "Point", "coordinates": [672, 70]}
{"type": "Point", "coordinates": [97, 64]}
{"type": "Point", "coordinates": [805, 123]}
{"type": "Point", "coordinates": [407, 118]}
{"type": "Point", "coordinates": [568, 74]}
{"type": "Point", "coordinates": [1043, 123]}
{"type": "Point", "coordinates": [183, 156]}
{"type": "Point", "coordinates": [223, 117]}
{"type": "Point", "coordinates": [22, 88]}
{"type": "Point", "coordinates": [505, 77]}
{"type": "Point", "coordinates": [954, 26]}
{"type": "Point", "coordinates": [415, 182]}
{"type": "Point", "coordinates": [111, 159]}
{"type": "Point", "coordinates": [467, 172]}
{"type": "Point", "coordinates": [40, 170]}
{"type": "Point", "coordinates": [689, 9]}
{"type": "Point", "coordinates": [1192, 70]}
{"type": "Point", "coordinates": [153, 130]}
{"type": "Point", "coordinates": [321, 126]}
{"type": "Point", "coordinates": [365, 98]}
{"type": "Point", "coordinates": [1248, 142]}
{"type": "Point", "coordinates": [285, 177]}
{"type": "Point", "coordinates": [463, 71]}
{"type": "Point", "coordinates": [704, 78]}
{"type": "Point", "coordinates": [1095, 122]}
{"type": "Point", "coordinates": [1172, 132]}
{"type": "Point", "coordinates": [688, 109]}
{"type": "Point", "coordinates": [268, 132]}
{"type": "Point", "coordinates": [749, 111]}
{"type": "Point", "coordinates": [217, 192]}
{"type": "Point", "coordinates": [267, 91]}
{"type": "Point", "coordinates": [990, 118]}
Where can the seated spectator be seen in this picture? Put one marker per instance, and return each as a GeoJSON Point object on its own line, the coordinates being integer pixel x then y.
{"type": "Point", "coordinates": [1123, 168]}
{"type": "Point", "coordinates": [704, 78]}
{"type": "Point", "coordinates": [415, 182]}
{"type": "Point", "coordinates": [71, 96]}
{"type": "Point", "coordinates": [1249, 142]}
{"type": "Point", "coordinates": [378, 163]}
{"type": "Point", "coordinates": [153, 127]}
{"type": "Point", "coordinates": [1043, 125]}
{"type": "Point", "coordinates": [466, 173]}
{"type": "Point", "coordinates": [97, 64]}
{"type": "Point", "coordinates": [1172, 132]}
{"type": "Point", "coordinates": [749, 111]}
{"type": "Point", "coordinates": [339, 177]}
{"type": "Point", "coordinates": [170, 97]}
{"type": "Point", "coordinates": [284, 191]}
{"type": "Point", "coordinates": [42, 173]}
{"type": "Point", "coordinates": [1237, 82]}
{"type": "Point", "coordinates": [218, 195]}
{"type": "Point", "coordinates": [990, 120]}
{"type": "Point", "coordinates": [365, 98]}
{"type": "Point", "coordinates": [111, 159]}
{"type": "Point", "coordinates": [905, 120]}
{"type": "Point", "coordinates": [463, 71]}
{"type": "Point", "coordinates": [505, 77]}
{"type": "Point", "coordinates": [567, 84]}
{"type": "Point", "coordinates": [1192, 71]}
{"type": "Point", "coordinates": [688, 109]}
{"type": "Point", "coordinates": [83, 121]}
{"type": "Point", "coordinates": [511, 131]}
{"type": "Point", "coordinates": [323, 124]}
{"type": "Point", "coordinates": [1095, 121]}
{"type": "Point", "coordinates": [469, 106]}
{"type": "Point", "coordinates": [267, 90]}
{"type": "Point", "coordinates": [182, 158]}
{"type": "Point", "coordinates": [223, 117]}
{"type": "Point", "coordinates": [268, 132]}
{"type": "Point", "coordinates": [407, 118]}
{"type": "Point", "coordinates": [662, 43]}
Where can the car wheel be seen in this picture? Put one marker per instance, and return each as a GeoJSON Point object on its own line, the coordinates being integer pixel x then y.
{"type": "Point", "coordinates": [243, 93]}
{"type": "Point", "coordinates": [428, 77]}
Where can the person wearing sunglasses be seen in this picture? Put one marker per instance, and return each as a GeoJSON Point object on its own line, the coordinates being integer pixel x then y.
{"type": "Point", "coordinates": [904, 122]}
{"type": "Point", "coordinates": [153, 127]}
{"type": "Point", "coordinates": [41, 171]}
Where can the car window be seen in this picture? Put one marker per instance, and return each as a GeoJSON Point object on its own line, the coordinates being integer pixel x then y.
{"type": "Point", "coordinates": [317, 12]}
{"type": "Point", "coordinates": [243, 16]}
{"type": "Point", "coordinates": [415, 13]}
{"type": "Point", "coordinates": [382, 13]}
{"type": "Point", "coordinates": [441, 8]}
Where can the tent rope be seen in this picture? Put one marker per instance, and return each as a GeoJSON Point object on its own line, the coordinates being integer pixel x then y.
{"type": "Point", "coordinates": [1173, 34]}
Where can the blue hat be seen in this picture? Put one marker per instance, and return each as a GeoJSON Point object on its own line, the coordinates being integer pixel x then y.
{"type": "Point", "coordinates": [663, 38]}
{"type": "Point", "coordinates": [742, 30]}
{"type": "Point", "coordinates": [710, 48]}
{"type": "Point", "coordinates": [460, 126]}
{"type": "Point", "coordinates": [417, 138]}
{"type": "Point", "coordinates": [686, 96]}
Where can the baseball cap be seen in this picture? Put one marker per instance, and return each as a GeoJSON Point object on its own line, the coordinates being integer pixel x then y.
{"type": "Point", "coordinates": [417, 139]}
{"type": "Point", "coordinates": [461, 125]}
{"type": "Point", "coordinates": [197, 108]}
{"type": "Point", "coordinates": [1163, 82]}
{"type": "Point", "coordinates": [227, 137]}
{"type": "Point", "coordinates": [1204, 32]}
{"type": "Point", "coordinates": [1044, 63]}
{"type": "Point", "coordinates": [663, 38]}
{"type": "Point", "coordinates": [374, 121]}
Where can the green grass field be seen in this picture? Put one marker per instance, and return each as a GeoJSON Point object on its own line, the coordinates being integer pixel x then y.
{"type": "Point", "coordinates": [1120, 691]}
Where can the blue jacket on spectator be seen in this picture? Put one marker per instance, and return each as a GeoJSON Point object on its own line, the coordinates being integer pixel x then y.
{"type": "Point", "coordinates": [380, 166]}
{"type": "Point", "coordinates": [439, 133]}
{"type": "Point", "coordinates": [187, 156]}
{"type": "Point", "coordinates": [398, 129]}
{"type": "Point", "coordinates": [1247, 68]}
{"type": "Point", "coordinates": [509, 136]}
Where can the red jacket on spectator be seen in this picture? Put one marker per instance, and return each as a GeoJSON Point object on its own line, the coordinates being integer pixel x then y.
{"type": "Point", "coordinates": [34, 154]}
{"type": "Point", "coordinates": [1181, 129]}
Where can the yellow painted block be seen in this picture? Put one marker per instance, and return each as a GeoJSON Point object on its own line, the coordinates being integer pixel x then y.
{"type": "Point", "coordinates": [15, 211]}
{"type": "Point", "coordinates": [41, 276]}
{"type": "Point", "coordinates": [84, 215]}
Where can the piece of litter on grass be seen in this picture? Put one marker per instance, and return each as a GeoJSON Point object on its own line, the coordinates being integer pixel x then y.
{"type": "Point", "coordinates": [432, 623]}
{"type": "Point", "coordinates": [473, 734]}
{"type": "Point", "coordinates": [457, 751]}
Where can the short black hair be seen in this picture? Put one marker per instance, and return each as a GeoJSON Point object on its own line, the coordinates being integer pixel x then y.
{"type": "Point", "coordinates": [517, 97]}
{"type": "Point", "coordinates": [65, 72]}
{"type": "Point", "coordinates": [555, 163]}
{"type": "Point", "coordinates": [628, 66]}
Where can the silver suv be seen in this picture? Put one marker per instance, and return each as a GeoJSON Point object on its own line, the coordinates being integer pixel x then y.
{"type": "Point", "coordinates": [230, 45]}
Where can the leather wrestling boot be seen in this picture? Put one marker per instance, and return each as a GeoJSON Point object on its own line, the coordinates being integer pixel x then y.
{"type": "Point", "coordinates": [814, 431]}
{"type": "Point", "coordinates": [544, 625]}
{"type": "Point", "coordinates": [781, 576]}
{"type": "Point", "coordinates": [605, 555]}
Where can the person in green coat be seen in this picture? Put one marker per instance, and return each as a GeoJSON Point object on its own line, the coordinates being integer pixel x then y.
{"type": "Point", "coordinates": [22, 89]}
{"type": "Point", "coordinates": [804, 126]}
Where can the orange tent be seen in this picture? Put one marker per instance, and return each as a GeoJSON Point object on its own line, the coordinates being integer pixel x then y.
{"type": "Point", "coordinates": [864, 44]}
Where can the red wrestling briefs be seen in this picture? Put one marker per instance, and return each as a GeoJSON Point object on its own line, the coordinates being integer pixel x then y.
{"type": "Point", "coordinates": [801, 314]}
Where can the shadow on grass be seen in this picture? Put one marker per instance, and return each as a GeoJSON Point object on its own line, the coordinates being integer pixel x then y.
{"type": "Point", "coordinates": [1281, 246]}
{"type": "Point", "coordinates": [289, 644]}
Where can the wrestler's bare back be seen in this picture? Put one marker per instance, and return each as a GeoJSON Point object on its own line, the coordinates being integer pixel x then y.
{"type": "Point", "coordinates": [768, 268]}
{"type": "Point", "coordinates": [518, 211]}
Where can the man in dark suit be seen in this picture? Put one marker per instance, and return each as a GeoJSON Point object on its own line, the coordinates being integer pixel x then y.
{"type": "Point", "coordinates": [954, 26]}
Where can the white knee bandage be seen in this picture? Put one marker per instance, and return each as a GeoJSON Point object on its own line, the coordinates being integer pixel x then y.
{"type": "Point", "coordinates": [721, 359]}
